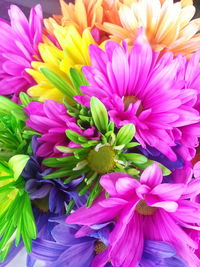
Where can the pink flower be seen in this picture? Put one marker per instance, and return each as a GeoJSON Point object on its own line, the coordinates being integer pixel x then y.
{"type": "Point", "coordinates": [19, 41]}
{"type": "Point", "coordinates": [141, 87]}
{"type": "Point", "coordinates": [51, 120]}
{"type": "Point", "coordinates": [148, 209]}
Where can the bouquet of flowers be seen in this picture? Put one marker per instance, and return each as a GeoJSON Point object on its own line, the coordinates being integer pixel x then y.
{"type": "Point", "coordinates": [99, 135]}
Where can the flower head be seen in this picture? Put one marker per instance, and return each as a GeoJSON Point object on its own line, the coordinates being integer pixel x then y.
{"type": "Point", "coordinates": [170, 29]}
{"type": "Point", "coordinates": [94, 157]}
{"type": "Point", "coordinates": [73, 52]}
{"type": "Point", "coordinates": [69, 245]}
{"type": "Point", "coordinates": [50, 120]}
{"type": "Point", "coordinates": [18, 47]}
{"type": "Point", "coordinates": [82, 14]}
{"type": "Point", "coordinates": [49, 195]}
{"type": "Point", "coordinates": [140, 88]}
{"type": "Point", "coordinates": [146, 209]}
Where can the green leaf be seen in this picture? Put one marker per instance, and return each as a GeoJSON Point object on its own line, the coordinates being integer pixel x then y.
{"type": "Point", "coordinates": [125, 134]}
{"type": "Point", "coordinates": [135, 158]}
{"type": "Point", "coordinates": [99, 114]}
{"type": "Point", "coordinates": [17, 164]}
{"type": "Point", "coordinates": [59, 83]}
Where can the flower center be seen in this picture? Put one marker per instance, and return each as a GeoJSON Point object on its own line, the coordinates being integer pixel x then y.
{"type": "Point", "coordinates": [143, 209]}
{"type": "Point", "coordinates": [132, 100]}
{"type": "Point", "coordinates": [102, 161]}
{"type": "Point", "coordinates": [42, 204]}
{"type": "Point", "coordinates": [99, 247]}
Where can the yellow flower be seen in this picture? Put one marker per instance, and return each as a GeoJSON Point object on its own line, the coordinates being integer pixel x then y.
{"type": "Point", "coordinates": [72, 53]}
{"type": "Point", "coordinates": [167, 25]}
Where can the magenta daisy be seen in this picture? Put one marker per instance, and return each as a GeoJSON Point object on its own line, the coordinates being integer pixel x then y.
{"type": "Point", "coordinates": [19, 41]}
{"type": "Point", "coordinates": [51, 120]}
{"type": "Point", "coordinates": [141, 87]}
{"type": "Point", "coordinates": [148, 209]}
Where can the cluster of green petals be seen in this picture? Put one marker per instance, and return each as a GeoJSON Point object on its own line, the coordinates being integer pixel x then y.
{"type": "Point", "coordinates": [16, 217]}
{"type": "Point", "coordinates": [111, 153]}
{"type": "Point", "coordinates": [15, 138]}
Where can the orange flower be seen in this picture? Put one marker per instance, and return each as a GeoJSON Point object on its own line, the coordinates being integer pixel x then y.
{"type": "Point", "coordinates": [83, 14]}
{"type": "Point", "coordinates": [167, 25]}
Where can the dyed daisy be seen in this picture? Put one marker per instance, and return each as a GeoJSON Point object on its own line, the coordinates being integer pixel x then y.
{"type": "Point", "coordinates": [50, 120]}
{"type": "Point", "coordinates": [18, 47]}
{"type": "Point", "coordinates": [53, 73]}
{"type": "Point", "coordinates": [83, 14]}
{"type": "Point", "coordinates": [141, 87]}
{"type": "Point", "coordinates": [145, 209]}
{"type": "Point", "coordinates": [96, 157]}
{"type": "Point", "coordinates": [167, 25]}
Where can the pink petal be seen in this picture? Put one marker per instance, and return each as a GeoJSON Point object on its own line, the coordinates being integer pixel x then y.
{"type": "Point", "coordinates": [101, 259]}
{"type": "Point", "coordinates": [94, 215]}
{"type": "Point", "coordinates": [118, 184]}
{"type": "Point", "coordinates": [126, 240]}
{"type": "Point", "coordinates": [169, 191]}
{"type": "Point", "coordinates": [152, 175]}
{"type": "Point", "coordinates": [169, 206]}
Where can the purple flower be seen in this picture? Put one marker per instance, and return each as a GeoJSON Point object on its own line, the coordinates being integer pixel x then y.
{"type": "Point", "coordinates": [71, 245]}
{"type": "Point", "coordinates": [141, 87]}
{"type": "Point", "coordinates": [19, 41]}
{"type": "Point", "coordinates": [157, 253]}
{"type": "Point", "coordinates": [49, 194]}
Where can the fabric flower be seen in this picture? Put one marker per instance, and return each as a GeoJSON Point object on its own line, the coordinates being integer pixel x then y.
{"type": "Point", "coordinates": [51, 120]}
{"type": "Point", "coordinates": [171, 28]}
{"type": "Point", "coordinates": [143, 210]}
{"type": "Point", "coordinates": [18, 48]}
{"type": "Point", "coordinates": [141, 87]}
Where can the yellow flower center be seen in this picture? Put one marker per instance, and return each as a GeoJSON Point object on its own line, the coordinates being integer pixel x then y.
{"type": "Point", "coordinates": [99, 247]}
{"type": "Point", "coordinates": [42, 204]}
{"type": "Point", "coordinates": [131, 100]}
{"type": "Point", "coordinates": [102, 161]}
{"type": "Point", "coordinates": [143, 209]}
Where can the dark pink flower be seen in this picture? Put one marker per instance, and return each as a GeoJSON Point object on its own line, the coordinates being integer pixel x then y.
{"type": "Point", "coordinates": [19, 41]}
{"type": "Point", "coordinates": [51, 120]}
{"type": "Point", "coordinates": [141, 87]}
{"type": "Point", "coordinates": [145, 209]}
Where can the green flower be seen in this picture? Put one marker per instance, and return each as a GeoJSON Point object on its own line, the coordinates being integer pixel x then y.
{"type": "Point", "coordinates": [14, 139]}
{"type": "Point", "coordinates": [16, 216]}
{"type": "Point", "coordinates": [96, 157]}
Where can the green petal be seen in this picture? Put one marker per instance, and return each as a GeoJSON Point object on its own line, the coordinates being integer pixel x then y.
{"type": "Point", "coordinates": [125, 134]}
{"type": "Point", "coordinates": [135, 158]}
{"type": "Point", "coordinates": [99, 114]}
{"type": "Point", "coordinates": [17, 164]}
{"type": "Point", "coordinates": [9, 106]}
{"type": "Point", "coordinates": [59, 83]}
{"type": "Point", "coordinates": [77, 79]}
{"type": "Point", "coordinates": [76, 138]}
